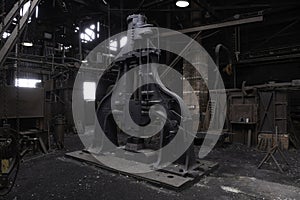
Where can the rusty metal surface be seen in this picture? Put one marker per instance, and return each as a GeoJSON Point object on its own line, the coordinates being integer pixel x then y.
{"type": "Point", "coordinates": [168, 180]}
{"type": "Point", "coordinates": [261, 110]}
{"type": "Point", "coordinates": [242, 112]}
{"type": "Point", "coordinates": [31, 102]}
{"type": "Point", "coordinates": [273, 111]}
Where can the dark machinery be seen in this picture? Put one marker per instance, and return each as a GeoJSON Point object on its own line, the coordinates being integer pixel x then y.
{"type": "Point", "coordinates": [147, 94]}
{"type": "Point", "coordinates": [10, 158]}
{"type": "Point", "coordinates": [13, 148]}
{"type": "Point", "coordinates": [21, 130]}
{"type": "Point", "coordinates": [141, 101]}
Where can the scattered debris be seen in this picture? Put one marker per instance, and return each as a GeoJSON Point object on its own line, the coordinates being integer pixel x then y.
{"type": "Point", "coordinates": [230, 189]}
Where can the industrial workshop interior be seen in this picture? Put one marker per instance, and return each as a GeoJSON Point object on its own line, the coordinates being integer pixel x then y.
{"type": "Point", "coordinates": [149, 99]}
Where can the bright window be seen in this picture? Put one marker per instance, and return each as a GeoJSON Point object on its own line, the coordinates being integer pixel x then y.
{"type": "Point", "coordinates": [93, 26]}
{"type": "Point", "coordinates": [89, 91]}
{"type": "Point", "coordinates": [88, 35]}
{"type": "Point", "coordinates": [113, 45]}
{"type": "Point", "coordinates": [123, 41]}
{"type": "Point", "coordinates": [5, 35]}
{"type": "Point", "coordinates": [25, 8]}
{"type": "Point", "coordinates": [27, 83]}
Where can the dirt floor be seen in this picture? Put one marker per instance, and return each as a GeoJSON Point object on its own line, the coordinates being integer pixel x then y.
{"type": "Point", "coordinates": [53, 176]}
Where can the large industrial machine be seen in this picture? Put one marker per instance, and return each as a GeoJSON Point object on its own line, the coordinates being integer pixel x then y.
{"type": "Point", "coordinates": [141, 101]}
{"type": "Point", "coordinates": [144, 81]}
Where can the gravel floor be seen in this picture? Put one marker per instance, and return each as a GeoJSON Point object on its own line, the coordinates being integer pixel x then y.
{"type": "Point", "coordinates": [54, 176]}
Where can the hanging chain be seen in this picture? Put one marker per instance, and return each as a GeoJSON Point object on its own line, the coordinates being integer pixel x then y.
{"type": "Point", "coordinates": [17, 90]}
{"type": "Point", "coordinates": [5, 110]}
{"type": "Point", "coordinates": [17, 75]}
{"type": "Point", "coordinates": [4, 94]}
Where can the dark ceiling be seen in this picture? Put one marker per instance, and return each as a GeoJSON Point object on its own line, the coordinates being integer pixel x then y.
{"type": "Point", "coordinates": [268, 41]}
{"type": "Point", "coordinates": [61, 17]}
{"type": "Point", "coordinates": [58, 14]}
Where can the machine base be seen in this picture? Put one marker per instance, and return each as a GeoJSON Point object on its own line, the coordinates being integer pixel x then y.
{"type": "Point", "coordinates": [163, 178]}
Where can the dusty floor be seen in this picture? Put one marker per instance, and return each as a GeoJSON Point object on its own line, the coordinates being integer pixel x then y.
{"type": "Point", "coordinates": [55, 177]}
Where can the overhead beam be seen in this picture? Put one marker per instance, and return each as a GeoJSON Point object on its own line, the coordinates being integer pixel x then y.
{"type": "Point", "coordinates": [11, 15]}
{"type": "Point", "coordinates": [26, 60]}
{"type": "Point", "coordinates": [81, 2]}
{"type": "Point", "coordinates": [11, 41]}
{"type": "Point", "coordinates": [217, 25]}
{"type": "Point", "coordinates": [223, 24]}
{"type": "Point", "coordinates": [233, 7]}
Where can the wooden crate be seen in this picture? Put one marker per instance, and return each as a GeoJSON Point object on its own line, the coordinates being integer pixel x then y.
{"type": "Point", "coordinates": [266, 141]}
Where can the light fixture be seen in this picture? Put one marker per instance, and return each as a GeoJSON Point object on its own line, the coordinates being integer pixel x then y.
{"type": "Point", "coordinates": [27, 44]}
{"type": "Point", "coordinates": [182, 3]}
